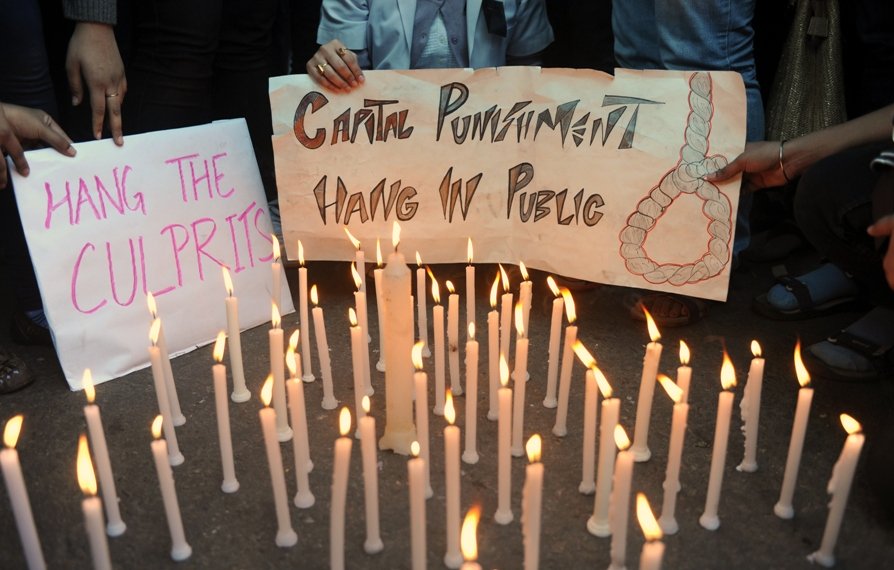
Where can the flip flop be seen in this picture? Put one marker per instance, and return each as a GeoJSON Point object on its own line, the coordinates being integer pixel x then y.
{"type": "Point", "coordinates": [694, 309]}
{"type": "Point", "coordinates": [871, 337]}
{"type": "Point", "coordinates": [807, 307]}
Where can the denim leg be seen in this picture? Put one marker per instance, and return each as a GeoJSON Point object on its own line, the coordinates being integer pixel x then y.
{"type": "Point", "coordinates": [636, 34]}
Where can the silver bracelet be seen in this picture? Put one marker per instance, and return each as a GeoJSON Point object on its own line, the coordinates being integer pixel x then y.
{"type": "Point", "coordinates": [782, 161]}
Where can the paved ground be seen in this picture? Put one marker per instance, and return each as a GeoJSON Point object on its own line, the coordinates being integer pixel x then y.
{"type": "Point", "coordinates": [237, 531]}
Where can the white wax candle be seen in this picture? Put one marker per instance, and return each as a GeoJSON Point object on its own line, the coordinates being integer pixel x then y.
{"type": "Point", "coordinates": [470, 453]}
{"type": "Point", "coordinates": [277, 368]}
{"type": "Point", "coordinates": [399, 429]}
{"type": "Point", "coordinates": [470, 291]}
{"type": "Point", "coordinates": [360, 260]}
{"type": "Point", "coordinates": [504, 434]}
{"type": "Point", "coordinates": [420, 389]}
{"type": "Point", "coordinates": [751, 408]}
{"type": "Point", "coordinates": [276, 273]}
{"type": "Point", "coordinates": [329, 402]}
{"type": "Point", "coordinates": [341, 463]}
{"type": "Point", "coordinates": [560, 428]}
{"type": "Point", "coordinates": [438, 333]}
{"type": "Point", "coordinates": [469, 539]}
{"type": "Point", "coordinates": [305, 323]}
{"type": "Point", "coordinates": [171, 387]}
{"type": "Point", "coordinates": [709, 518]}
{"type": "Point", "coordinates": [651, 556]}
{"type": "Point", "coordinates": [416, 479]}
{"type": "Point", "coordinates": [285, 534]}
{"type": "Point", "coordinates": [304, 498]}
{"type": "Point", "coordinates": [164, 406]}
{"type": "Point", "coordinates": [453, 557]}
{"type": "Point", "coordinates": [524, 295]}
{"type": "Point", "coordinates": [240, 392]}
{"type": "Point", "coordinates": [552, 371]}
{"type": "Point", "coordinates": [640, 447]}
{"type": "Point", "coordinates": [99, 545]}
{"type": "Point", "coordinates": [422, 307]}
{"type": "Point", "coordinates": [598, 523]}
{"type": "Point", "coordinates": [493, 363]}
{"type": "Point", "coordinates": [453, 343]}
{"type": "Point", "coordinates": [684, 376]}
{"type": "Point", "coordinates": [784, 507]}
{"type": "Point", "coordinates": [505, 322]}
{"type": "Point", "coordinates": [839, 487]}
{"type": "Point", "coordinates": [373, 541]}
{"type": "Point", "coordinates": [180, 549]}
{"type": "Point", "coordinates": [519, 377]}
{"type": "Point", "coordinates": [18, 495]}
{"type": "Point", "coordinates": [360, 304]}
{"type": "Point", "coordinates": [588, 467]}
{"type": "Point", "coordinates": [671, 485]}
{"type": "Point", "coordinates": [116, 525]}
{"type": "Point", "coordinates": [357, 347]}
{"type": "Point", "coordinates": [620, 508]}
{"type": "Point", "coordinates": [532, 505]}
{"type": "Point", "coordinates": [230, 483]}
{"type": "Point", "coordinates": [380, 314]}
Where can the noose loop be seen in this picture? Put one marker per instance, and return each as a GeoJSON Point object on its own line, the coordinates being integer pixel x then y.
{"type": "Point", "coordinates": [686, 177]}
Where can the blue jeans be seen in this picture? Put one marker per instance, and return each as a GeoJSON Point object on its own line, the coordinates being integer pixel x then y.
{"type": "Point", "coordinates": [702, 35]}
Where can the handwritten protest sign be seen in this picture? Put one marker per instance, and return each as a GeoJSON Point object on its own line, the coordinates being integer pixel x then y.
{"type": "Point", "coordinates": [163, 213]}
{"type": "Point", "coordinates": [574, 172]}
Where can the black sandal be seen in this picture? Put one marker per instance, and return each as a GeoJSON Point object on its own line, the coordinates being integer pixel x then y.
{"type": "Point", "coordinates": [807, 307]}
{"type": "Point", "coordinates": [871, 337]}
{"type": "Point", "coordinates": [14, 373]}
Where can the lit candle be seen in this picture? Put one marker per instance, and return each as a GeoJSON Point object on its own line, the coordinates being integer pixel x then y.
{"type": "Point", "coordinates": [92, 508]}
{"type": "Point", "coordinates": [116, 526]}
{"type": "Point", "coordinates": [357, 347]}
{"type": "Point", "coordinates": [561, 426]}
{"type": "Point", "coordinates": [276, 271]}
{"type": "Point", "coordinates": [362, 320]}
{"type": "Point", "coordinates": [329, 402]}
{"type": "Point", "coordinates": [304, 498]}
{"type": "Point", "coordinates": [470, 287]}
{"type": "Point", "coordinates": [709, 518]}
{"type": "Point", "coordinates": [469, 540]}
{"type": "Point", "coordinates": [380, 307]}
{"type": "Point", "coordinates": [555, 335]}
{"type": "Point", "coordinates": [493, 352]}
{"type": "Point", "coordinates": [750, 406]}
{"type": "Point", "coordinates": [340, 467]}
{"type": "Point", "coordinates": [620, 501]}
{"type": "Point", "coordinates": [588, 476]}
{"type": "Point", "coordinates": [285, 535]}
{"type": "Point", "coordinates": [504, 439]}
{"type": "Point", "coordinates": [180, 549]}
{"type": "Point", "coordinates": [359, 259]}
{"type": "Point", "coordinates": [305, 323]}
{"type": "Point", "coordinates": [421, 303]}
{"type": "Point", "coordinates": [671, 485]}
{"type": "Point", "coordinates": [453, 339]}
{"type": "Point", "coordinates": [170, 387]}
{"type": "Point", "coordinates": [840, 487]}
{"type": "Point", "coordinates": [161, 394]}
{"type": "Point", "coordinates": [519, 377]}
{"type": "Point", "coordinates": [470, 453]}
{"type": "Point", "coordinates": [420, 388]}
{"type": "Point", "coordinates": [240, 392]}
{"type": "Point", "coordinates": [399, 429]}
{"type": "Point", "coordinates": [653, 549]}
{"type": "Point", "coordinates": [416, 479]}
{"type": "Point", "coordinates": [505, 314]}
{"type": "Point", "coordinates": [219, 375]}
{"type": "Point", "coordinates": [524, 293]}
{"type": "Point", "coordinates": [684, 373]}
{"type": "Point", "coordinates": [18, 494]}
{"type": "Point", "coordinates": [532, 504]}
{"type": "Point", "coordinates": [367, 424]}
{"type": "Point", "coordinates": [784, 508]}
{"type": "Point", "coordinates": [598, 523]}
{"type": "Point", "coordinates": [277, 368]}
{"type": "Point", "coordinates": [438, 331]}
{"type": "Point", "coordinates": [640, 447]}
{"type": "Point", "coordinates": [453, 558]}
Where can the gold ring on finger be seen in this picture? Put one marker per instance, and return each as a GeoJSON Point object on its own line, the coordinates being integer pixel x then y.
{"type": "Point", "coordinates": [321, 67]}
{"type": "Point", "coordinates": [341, 51]}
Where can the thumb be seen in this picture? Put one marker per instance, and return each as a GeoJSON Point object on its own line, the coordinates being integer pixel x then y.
{"type": "Point", "coordinates": [73, 70]}
{"type": "Point", "coordinates": [883, 227]}
{"type": "Point", "coordinates": [733, 168]}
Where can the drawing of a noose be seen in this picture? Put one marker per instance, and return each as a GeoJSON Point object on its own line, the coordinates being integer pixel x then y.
{"type": "Point", "coordinates": [687, 177]}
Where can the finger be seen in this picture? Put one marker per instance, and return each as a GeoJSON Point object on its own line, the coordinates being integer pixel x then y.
{"type": "Point", "coordinates": [320, 76]}
{"type": "Point", "coordinates": [883, 227]}
{"type": "Point", "coordinates": [98, 107]}
{"type": "Point", "coordinates": [73, 70]}
{"type": "Point", "coordinates": [349, 58]}
{"type": "Point", "coordinates": [3, 176]}
{"type": "Point", "coordinates": [14, 148]}
{"type": "Point", "coordinates": [113, 108]}
{"type": "Point", "coordinates": [52, 134]}
{"type": "Point", "coordinates": [728, 171]}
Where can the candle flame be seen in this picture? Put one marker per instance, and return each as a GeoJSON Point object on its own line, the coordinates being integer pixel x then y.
{"type": "Point", "coordinates": [228, 281]}
{"type": "Point", "coordinates": [523, 270]}
{"type": "Point", "coordinates": [219, 345]}
{"type": "Point", "coordinates": [417, 354]}
{"type": "Point", "coordinates": [469, 251]}
{"type": "Point", "coordinates": [472, 330]}
{"type": "Point", "coordinates": [435, 290]}
{"type": "Point", "coordinates": [519, 320]}
{"type": "Point", "coordinates": [150, 302]}
{"type": "Point", "coordinates": [87, 383]}
{"type": "Point", "coordinates": [493, 291]}
{"type": "Point", "coordinates": [352, 316]}
{"type": "Point", "coordinates": [450, 286]}
{"type": "Point", "coordinates": [275, 319]}
{"type": "Point", "coordinates": [621, 439]}
{"type": "Point", "coordinates": [294, 338]}
{"type": "Point", "coordinates": [583, 354]}
{"type": "Point", "coordinates": [647, 521]}
{"type": "Point", "coordinates": [504, 277]}
{"type": "Point", "coordinates": [156, 426]}
{"type": "Point", "coordinates": [267, 390]}
{"type": "Point", "coordinates": [532, 448]}
{"type": "Point", "coordinates": [395, 235]}
{"type": "Point", "coordinates": [364, 403]}
{"type": "Point", "coordinates": [800, 369]}
{"type": "Point", "coordinates": [12, 430]}
{"type": "Point", "coordinates": [672, 389]}
{"type": "Point", "coordinates": [276, 250]}
{"type": "Point", "coordinates": [449, 410]}
{"type": "Point", "coordinates": [850, 425]}
{"type": "Point", "coordinates": [684, 353]}
{"type": "Point", "coordinates": [727, 373]}
{"type": "Point", "coordinates": [504, 371]}
{"type": "Point", "coordinates": [86, 475]}
{"type": "Point", "coordinates": [291, 361]}
{"type": "Point", "coordinates": [755, 349]}
{"type": "Point", "coordinates": [344, 421]}
{"type": "Point", "coordinates": [378, 253]}
{"type": "Point", "coordinates": [414, 448]}
{"type": "Point", "coordinates": [468, 540]}
{"type": "Point", "coordinates": [351, 237]}
{"type": "Point", "coordinates": [356, 275]}
{"type": "Point", "coordinates": [570, 312]}
{"type": "Point", "coordinates": [154, 331]}
{"type": "Point", "coordinates": [602, 382]}
{"type": "Point", "coordinates": [313, 295]}
{"type": "Point", "coordinates": [653, 328]}
{"type": "Point", "coordinates": [300, 253]}
{"type": "Point", "coordinates": [418, 259]}
{"type": "Point", "coordinates": [551, 283]}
